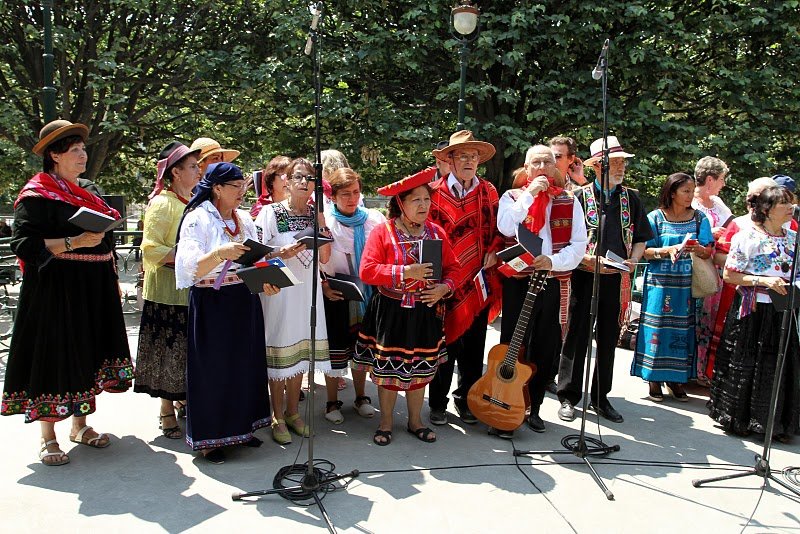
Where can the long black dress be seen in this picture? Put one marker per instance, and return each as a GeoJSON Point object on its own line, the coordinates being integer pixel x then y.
{"type": "Point", "coordinates": [69, 341]}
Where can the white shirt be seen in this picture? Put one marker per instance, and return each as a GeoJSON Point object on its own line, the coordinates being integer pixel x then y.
{"type": "Point", "coordinates": [512, 212]}
{"type": "Point", "coordinates": [343, 241]}
{"type": "Point", "coordinates": [455, 183]}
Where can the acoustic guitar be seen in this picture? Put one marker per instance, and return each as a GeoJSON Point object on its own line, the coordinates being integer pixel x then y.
{"type": "Point", "coordinates": [500, 397]}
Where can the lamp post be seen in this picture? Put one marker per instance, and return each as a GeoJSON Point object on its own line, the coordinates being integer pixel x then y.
{"type": "Point", "coordinates": [48, 90]}
{"type": "Point", "coordinates": [465, 29]}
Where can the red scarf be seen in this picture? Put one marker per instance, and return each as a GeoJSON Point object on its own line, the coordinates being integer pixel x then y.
{"type": "Point", "coordinates": [537, 213]}
{"type": "Point", "coordinates": [48, 186]}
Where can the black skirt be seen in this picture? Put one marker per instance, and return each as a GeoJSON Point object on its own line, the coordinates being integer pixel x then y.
{"type": "Point", "coordinates": [161, 356]}
{"type": "Point", "coordinates": [744, 370]}
{"type": "Point", "coordinates": [400, 347]}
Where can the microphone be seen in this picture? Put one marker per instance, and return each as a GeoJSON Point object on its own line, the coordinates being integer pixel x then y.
{"type": "Point", "coordinates": [315, 12]}
{"type": "Point", "coordinates": [597, 73]}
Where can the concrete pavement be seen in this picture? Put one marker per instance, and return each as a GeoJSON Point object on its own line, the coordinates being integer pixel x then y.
{"type": "Point", "coordinates": [465, 482]}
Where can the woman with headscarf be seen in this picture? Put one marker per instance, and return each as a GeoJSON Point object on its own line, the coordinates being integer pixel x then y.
{"type": "Point", "coordinates": [288, 331]}
{"type": "Point", "coordinates": [350, 226]}
{"type": "Point", "coordinates": [226, 374]}
{"type": "Point", "coordinates": [273, 184]}
{"type": "Point", "coordinates": [69, 342]}
{"type": "Point", "coordinates": [161, 356]}
{"type": "Point", "coordinates": [401, 342]}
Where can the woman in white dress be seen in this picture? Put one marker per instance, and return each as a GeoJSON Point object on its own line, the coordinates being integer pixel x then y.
{"type": "Point", "coordinates": [286, 315]}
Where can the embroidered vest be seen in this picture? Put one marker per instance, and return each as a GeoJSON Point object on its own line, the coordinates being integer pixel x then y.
{"type": "Point", "coordinates": [593, 217]}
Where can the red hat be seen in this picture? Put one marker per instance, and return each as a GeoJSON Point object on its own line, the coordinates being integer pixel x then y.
{"type": "Point", "coordinates": [408, 183]}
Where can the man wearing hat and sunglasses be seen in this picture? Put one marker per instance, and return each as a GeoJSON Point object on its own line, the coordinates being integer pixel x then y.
{"type": "Point", "coordinates": [625, 232]}
{"type": "Point", "coordinates": [466, 207]}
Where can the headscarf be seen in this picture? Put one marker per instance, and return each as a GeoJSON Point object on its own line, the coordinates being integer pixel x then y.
{"type": "Point", "coordinates": [356, 222]}
{"type": "Point", "coordinates": [216, 173]}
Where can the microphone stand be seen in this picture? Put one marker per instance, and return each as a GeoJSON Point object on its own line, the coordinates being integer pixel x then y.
{"type": "Point", "coordinates": [580, 448]}
{"type": "Point", "coordinates": [762, 467]}
{"type": "Point", "coordinates": [308, 481]}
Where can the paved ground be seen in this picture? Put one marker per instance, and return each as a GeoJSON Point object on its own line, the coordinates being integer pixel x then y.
{"type": "Point", "coordinates": [465, 482]}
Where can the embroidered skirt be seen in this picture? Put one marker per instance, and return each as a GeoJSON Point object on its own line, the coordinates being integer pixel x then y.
{"type": "Point", "coordinates": [161, 356]}
{"type": "Point", "coordinates": [745, 367]}
{"type": "Point", "coordinates": [400, 347]}
{"type": "Point", "coordinates": [226, 372]}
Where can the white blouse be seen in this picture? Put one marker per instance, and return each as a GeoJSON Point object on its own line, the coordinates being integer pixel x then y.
{"type": "Point", "coordinates": [203, 230]}
{"type": "Point", "coordinates": [717, 214]}
{"type": "Point", "coordinates": [342, 245]}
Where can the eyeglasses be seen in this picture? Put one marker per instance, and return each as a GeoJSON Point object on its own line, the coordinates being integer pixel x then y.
{"type": "Point", "coordinates": [465, 158]}
{"type": "Point", "coordinates": [540, 163]}
{"type": "Point", "coordinates": [237, 186]}
{"type": "Point", "coordinates": [300, 178]}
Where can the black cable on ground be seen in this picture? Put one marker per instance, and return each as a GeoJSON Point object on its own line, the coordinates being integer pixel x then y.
{"type": "Point", "coordinates": [291, 477]}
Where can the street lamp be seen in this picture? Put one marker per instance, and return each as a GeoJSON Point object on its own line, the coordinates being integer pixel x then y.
{"type": "Point", "coordinates": [465, 29]}
{"type": "Point", "coordinates": [48, 90]}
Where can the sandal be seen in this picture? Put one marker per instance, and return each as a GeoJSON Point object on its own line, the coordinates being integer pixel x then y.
{"type": "Point", "coordinates": [173, 432]}
{"type": "Point", "coordinates": [44, 454]}
{"type": "Point", "coordinates": [292, 421]}
{"type": "Point", "coordinates": [180, 406]}
{"type": "Point", "coordinates": [385, 434]}
{"type": "Point", "coordinates": [423, 434]}
{"type": "Point", "coordinates": [95, 442]}
{"type": "Point", "coordinates": [363, 406]}
{"type": "Point", "coordinates": [677, 391]}
{"type": "Point", "coordinates": [655, 394]}
{"type": "Point", "coordinates": [281, 438]}
{"type": "Point", "coordinates": [333, 413]}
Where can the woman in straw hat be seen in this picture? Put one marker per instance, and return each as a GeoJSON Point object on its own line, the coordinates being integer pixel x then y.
{"type": "Point", "coordinates": [401, 342]}
{"type": "Point", "coordinates": [226, 372]}
{"type": "Point", "coordinates": [57, 366]}
{"type": "Point", "coordinates": [211, 152]}
{"type": "Point", "coordinates": [161, 357]}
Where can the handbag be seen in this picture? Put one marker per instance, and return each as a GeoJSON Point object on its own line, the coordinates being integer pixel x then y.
{"type": "Point", "coordinates": [705, 278]}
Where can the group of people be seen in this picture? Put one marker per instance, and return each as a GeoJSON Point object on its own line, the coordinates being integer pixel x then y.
{"type": "Point", "coordinates": [232, 362]}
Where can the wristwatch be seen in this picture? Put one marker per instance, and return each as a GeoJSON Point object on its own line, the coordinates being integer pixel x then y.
{"type": "Point", "coordinates": [657, 254]}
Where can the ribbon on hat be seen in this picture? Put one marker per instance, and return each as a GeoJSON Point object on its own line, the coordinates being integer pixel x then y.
{"type": "Point", "coordinates": [163, 164]}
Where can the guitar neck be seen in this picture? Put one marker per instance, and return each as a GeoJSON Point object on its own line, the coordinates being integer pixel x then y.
{"type": "Point", "coordinates": [538, 280]}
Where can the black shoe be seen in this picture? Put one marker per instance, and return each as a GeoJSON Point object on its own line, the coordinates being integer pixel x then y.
{"type": "Point", "coordinates": [607, 411]}
{"type": "Point", "coordinates": [552, 387]}
{"type": "Point", "coordinates": [216, 456]}
{"type": "Point", "coordinates": [467, 417]}
{"type": "Point", "coordinates": [253, 442]}
{"type": "Point", "coordinates": [536, 423]}
{"type": "Point", "coordinates": [567, 411]}
{"type": "Point", "coordinates": [438, 417]}
{"type": "Point", "coordinates": [505, 434]}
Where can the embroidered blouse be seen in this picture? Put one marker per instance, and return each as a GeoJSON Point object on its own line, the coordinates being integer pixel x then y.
{"type": "Point", "coordinates": [759, 254]}
{"type": "Point", "coordinates": [204, 230]}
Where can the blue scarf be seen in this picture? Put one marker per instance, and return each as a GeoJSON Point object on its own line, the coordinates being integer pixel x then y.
{"type": "Point", "coordinates": [356, 222]}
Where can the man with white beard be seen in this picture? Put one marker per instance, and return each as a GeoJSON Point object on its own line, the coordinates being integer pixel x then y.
{"type": "Point", "coordinates": [626, 230]}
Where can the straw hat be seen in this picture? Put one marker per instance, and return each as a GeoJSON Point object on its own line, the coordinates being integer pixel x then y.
{"type": "Point", "coordinates": [614, 150]}
{"type": "Point", "coordinates": [463, 139]}
{"type": "Point", "coordinates": [58, 129]}
{"type": "Point", "coordinates": [208, 146]}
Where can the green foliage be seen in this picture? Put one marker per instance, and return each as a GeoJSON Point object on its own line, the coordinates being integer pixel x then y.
{"type": "Point", "coordinates": [685, 80]}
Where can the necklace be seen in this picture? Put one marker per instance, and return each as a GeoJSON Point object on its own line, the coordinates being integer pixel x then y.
{"type": "Point", "coordinates": [406, 229]}
{"type": "Point", "coordinates": [233, 235]}
{"type": "Point", "coordinates": [182, 199]}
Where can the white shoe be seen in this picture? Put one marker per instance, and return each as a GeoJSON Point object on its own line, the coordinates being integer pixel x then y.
{"type": "Point", "coordinates": [365, 409]}
{"type": "Point", "coordinates": [334, 416]}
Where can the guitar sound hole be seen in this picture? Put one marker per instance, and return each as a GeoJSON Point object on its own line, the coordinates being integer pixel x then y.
{"type": "Point", "coordinates": [506, 372]}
